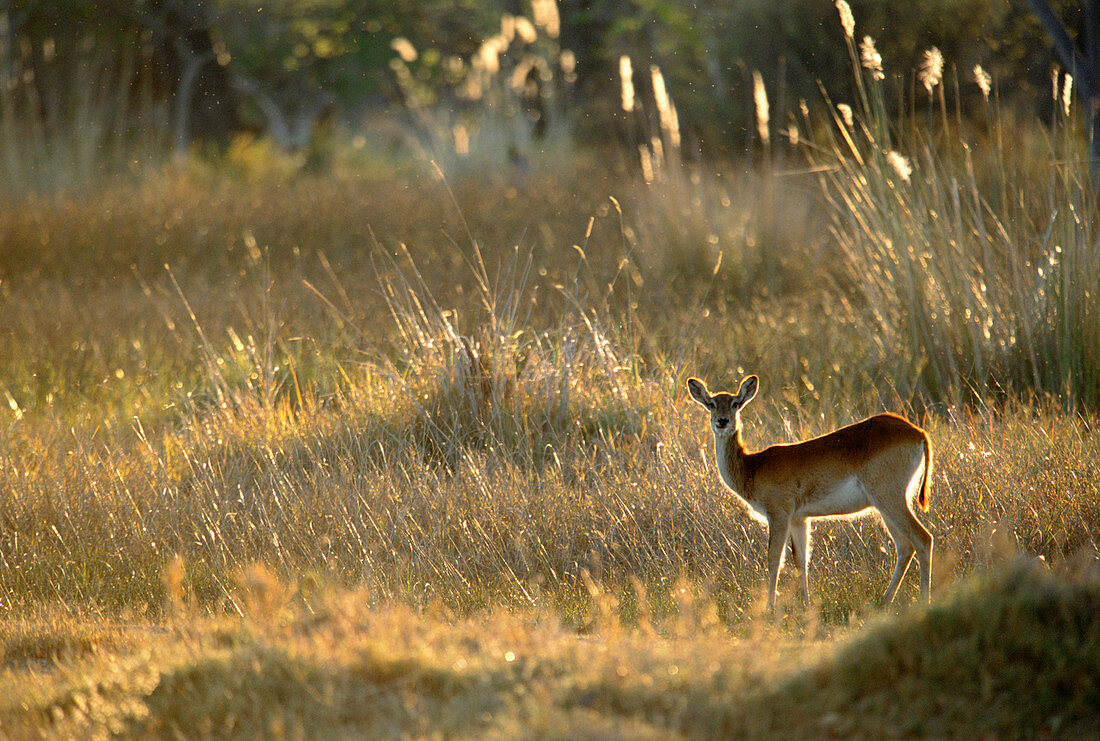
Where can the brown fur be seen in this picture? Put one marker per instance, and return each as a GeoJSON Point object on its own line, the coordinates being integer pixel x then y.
{"type": "Point", "coordinates": [869, 464]}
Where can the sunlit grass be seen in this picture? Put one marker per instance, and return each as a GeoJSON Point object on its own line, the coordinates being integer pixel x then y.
{"type": "Point", "coordinates": [345, 666]}
{"type": "Point", "coordinates": [484, 434]}
{"type": "Point", "coordinates": [971, 255]}
{"type": "Point", "coordinates": [415, 453]}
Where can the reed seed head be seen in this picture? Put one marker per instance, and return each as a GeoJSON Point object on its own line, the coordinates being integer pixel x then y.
{"type": "Point", "coordinates": [847, 21]}
{"type": "Point", "coordinates": [871, 59]}
{"type": "Point", "coordinates": [985, 82]}
{"type": "Point", "coordinates": [489, 54]}
{"type": "Point", "coordinates": [792, 134]}
{"type": "Point", "coordinates": [646, 160]}
{"type": "Point", "coordinates": [525, 30]}
{"type": "Point", "coordinates": [931, 69]}
{"type": "Point", "coordinates": [404, 49]}
{"type": "Point", "coordinates": [666, 112]}
{"type": "Point", "coordinates": [900, 163]}
{"type": "Point", "coordinates": [760, 99]}
{"type": "Point", "coordinates": [846, 116]}
{"type": "Point", "coordinates": [547, 17]}
{"type": "Point", "coordinates": [626, 82]}
{"type": "Point", "coordinates": [568, 61]}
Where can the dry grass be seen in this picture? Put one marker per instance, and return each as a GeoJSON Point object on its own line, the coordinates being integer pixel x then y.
{"type": "Point", "coordinates": [969, 252]}
{"type": "Point", "coordinates": [339, 668]}
{"type": "Point", "coordinates": [448, 420]}
{"type": "Point", "coordinates": [233, 409]}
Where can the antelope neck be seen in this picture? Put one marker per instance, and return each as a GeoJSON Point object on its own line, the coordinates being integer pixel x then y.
{"type": "Point", "coordinates": [729, 452]}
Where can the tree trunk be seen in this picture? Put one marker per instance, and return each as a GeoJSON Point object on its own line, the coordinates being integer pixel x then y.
{"type": "Point", "coordinates": [1083, 64]}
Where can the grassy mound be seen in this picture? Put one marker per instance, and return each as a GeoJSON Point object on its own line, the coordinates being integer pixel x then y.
{"type": "Point", "coordinates": [1015, 654]}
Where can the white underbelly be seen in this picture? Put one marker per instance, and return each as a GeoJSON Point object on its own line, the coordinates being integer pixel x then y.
{"type": "Point", "coordinates": [847, 497]}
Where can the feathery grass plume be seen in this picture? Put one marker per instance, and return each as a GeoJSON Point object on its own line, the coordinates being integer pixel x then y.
{"type": "Point", "coordinates": [489, 54]}
{"type": "Point", "coordinates": [522, 81]}
{"type": "Point", "coordinates": [931, 69]}
{"type": "Point", "coordinates": [870, 58]}
{"type": "Point", "coordinates": [546, 16]}
{"type": "Point", "coordinates": [404, 49]}
{"type": "Point", "coordinates": [673, 126]}
{"type": "Point", "coordinates": [646, 159]}
{"type": "Point", "coordinates": [900, 163]}
{"type": "Point", "coordinates": [660, 92]}
{"type": "Point", "coordinates": [985, 82]}
{"type": "Point", "coordinates": [760, 100]}
{"type": "Point", "coordinates": [13, 405]}
{"type": "Point", "coordinates": [567, 60]}
{"type": "Point", "coordinates": [626, 81]}
{"type": "Point", "coordinates": [666, 111]}
{"type": "Point", "coordinates": [846, 115]}
{"type": "Point", "coordinates": [1067, 93]}
{"type": "Point", "coordinates": [792, 134]}
{"type": "Point", "coordinates": [658, 149]}
{"type": "Point", "coordinates": [525, 30]}
{"type": "Point", "coordinates": [847, 21]}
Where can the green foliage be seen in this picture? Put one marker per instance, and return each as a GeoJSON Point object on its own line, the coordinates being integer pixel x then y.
{"type": "Point", "coordinates": [341, 46]}
{"type": "Point", "coordinates": [310, 59]}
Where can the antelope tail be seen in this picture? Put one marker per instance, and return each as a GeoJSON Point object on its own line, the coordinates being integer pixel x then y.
{"type": "Point", "coordinates": [926, 485]}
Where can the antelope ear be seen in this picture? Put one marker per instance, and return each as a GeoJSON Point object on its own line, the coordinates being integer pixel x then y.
{"type": "Point", "coordinates": [747, 391]}
{"type": "Point", "coordinates": [699, 392]}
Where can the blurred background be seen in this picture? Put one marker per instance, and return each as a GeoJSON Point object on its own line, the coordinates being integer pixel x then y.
{"type": "Point", "coordinates": [89, 87]}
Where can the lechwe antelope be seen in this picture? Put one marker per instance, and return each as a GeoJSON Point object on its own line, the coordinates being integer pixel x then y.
{"type": "Point", "coordinates": [884, 462]}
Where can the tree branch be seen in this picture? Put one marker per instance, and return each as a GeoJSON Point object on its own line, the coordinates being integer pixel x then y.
{"type": "Point", "coordinates": [185, 93]}
{"type": "Point", "coordinates": [277, 124]}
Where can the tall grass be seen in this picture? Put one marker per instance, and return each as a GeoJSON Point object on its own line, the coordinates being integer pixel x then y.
{"type": "Point", "coordinates": [498, 445]}
{"type": "Point", "coordinates": [976, 264]}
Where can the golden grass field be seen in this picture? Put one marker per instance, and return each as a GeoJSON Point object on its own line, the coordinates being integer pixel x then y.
{"type": "Point", "coordinates": [346, 456]}
{"type": "Point", "coordinates": [375, 449]}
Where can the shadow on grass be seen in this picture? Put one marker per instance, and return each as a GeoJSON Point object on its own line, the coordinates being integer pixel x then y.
{"type": "Point", "coordinates": [1014, 653]}
{"type": "Point", "coordinates": [264, 691]}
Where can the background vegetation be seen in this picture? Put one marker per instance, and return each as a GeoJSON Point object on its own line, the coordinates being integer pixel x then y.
{"type": "Point", "coordinates": [342, 382]}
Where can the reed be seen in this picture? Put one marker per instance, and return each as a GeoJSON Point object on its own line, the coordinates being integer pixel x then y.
{"type": "Point", "coordinates": [973, 281]}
